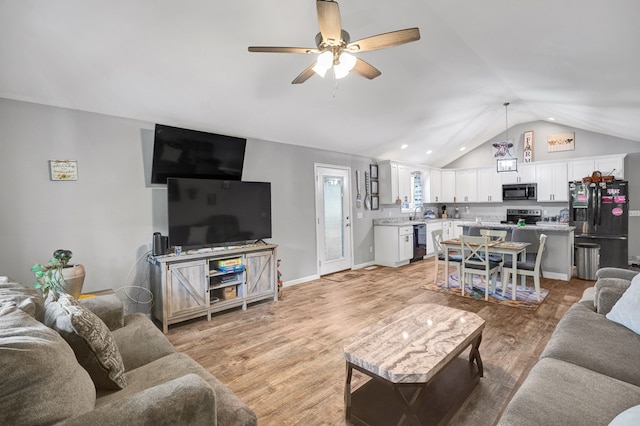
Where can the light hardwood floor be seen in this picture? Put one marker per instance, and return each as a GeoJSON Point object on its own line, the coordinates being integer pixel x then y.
{"type": "Point", "coordinates": [285, 360]}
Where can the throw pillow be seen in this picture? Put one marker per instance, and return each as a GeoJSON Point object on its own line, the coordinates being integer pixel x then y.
{"type": "Point", "coordinates": [90, 339]}
{"type": "Point", "coordinates": [28, 299]}
{"type": "Point", "coordinates": [629, 417]}
{"type": "Point", "coordinates": [42, 383]}
{"type": "Point", "coordinates": [626, 310]}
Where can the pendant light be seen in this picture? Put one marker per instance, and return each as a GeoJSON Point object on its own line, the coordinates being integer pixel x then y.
{"type": "Point", "coordinates": [509, 164]}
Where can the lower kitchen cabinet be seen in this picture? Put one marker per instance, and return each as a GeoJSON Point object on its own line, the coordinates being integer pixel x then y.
{"type": "Point", "coordinates": [393, 245]}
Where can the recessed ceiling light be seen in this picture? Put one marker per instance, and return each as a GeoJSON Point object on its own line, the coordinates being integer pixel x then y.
{"type": "Point", "coordinates": [463, 148]}
{"type": "Point", "coordinates": [552, 119]}
{"type": "Point", "coordinates": [404, 146]}
{"type": "Point", "coordinates": [429, 152]}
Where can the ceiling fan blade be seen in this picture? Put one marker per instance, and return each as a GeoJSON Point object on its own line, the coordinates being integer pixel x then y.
{"type": "Point", "coordinates": [329, 20]}
{"type": "Point", "coordinates": [274, 49]}
{"type": "Point", "coordinates": [382, 41]}
{"type": "Point", "coordinates": [365, 69]}
{"type": "Point", "coordinates": [304, 75]}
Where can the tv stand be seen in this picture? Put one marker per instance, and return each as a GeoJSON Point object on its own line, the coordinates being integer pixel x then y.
{"type": "Point", "coordinates": [197, 283]}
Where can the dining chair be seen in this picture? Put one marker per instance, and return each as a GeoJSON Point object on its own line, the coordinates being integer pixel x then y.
{"type": "Point", "coordinates": [475, 260]}
{"type": "Point", "coordinates": [495, 235]}
{"type": "Point", "coordinates": [454, 258]}
{"type": "Point", "coordinates": [526, 268]}
{"type": "Point", "coordinates": [526, 236]}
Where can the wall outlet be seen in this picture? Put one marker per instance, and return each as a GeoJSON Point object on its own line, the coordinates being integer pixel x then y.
{"type": "Point", "coordinates": [634, 213]}
{"type": "Point", "coordinates": [359, 215]}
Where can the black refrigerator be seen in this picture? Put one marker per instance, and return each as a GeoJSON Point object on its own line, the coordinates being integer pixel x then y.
{"type": "Point", "coordinates": [600, 213]}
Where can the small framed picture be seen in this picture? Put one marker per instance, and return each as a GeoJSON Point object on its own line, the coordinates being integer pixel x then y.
{"type": "Point", "coordinates": [528, 147]}
{"type": "Point", "coordinates": [375, 203]}
{"type": "Point", "coordinates": [374, 171]}
{"type": "Point", "coordinates": [374, 187]}
{"type": "Point", "coordinates": [63, 169]}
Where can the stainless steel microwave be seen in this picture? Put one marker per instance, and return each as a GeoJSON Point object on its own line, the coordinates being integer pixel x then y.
{"type": "Point", "coordinates": [519, 191]}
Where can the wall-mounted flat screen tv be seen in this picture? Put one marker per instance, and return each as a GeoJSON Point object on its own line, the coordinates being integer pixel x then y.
{"type": "Point", "coordinates": [193, 154]}
{"type": "Point", "coordinates": [206, 212]}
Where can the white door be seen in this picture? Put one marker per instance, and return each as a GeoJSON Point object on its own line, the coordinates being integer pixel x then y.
{"type": "Point", "coordinates": [333, 218]}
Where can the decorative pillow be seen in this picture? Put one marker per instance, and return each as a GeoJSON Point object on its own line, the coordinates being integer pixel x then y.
{"type": "Point", "coordinates": [629, 417]}
{"type": "Point", "coordinates": [626, 311]}
{"type": "Point", "coordinates": [90, 339]}
{"type": "Point", "coordinates": [42, 383]}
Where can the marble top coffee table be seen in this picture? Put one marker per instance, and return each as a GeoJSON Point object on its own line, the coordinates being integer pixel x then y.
{"type": "Point", "coordinates": [414, 351]}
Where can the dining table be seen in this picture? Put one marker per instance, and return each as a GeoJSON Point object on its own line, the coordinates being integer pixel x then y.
{"type": "Point", "coordinates": [503, 248]}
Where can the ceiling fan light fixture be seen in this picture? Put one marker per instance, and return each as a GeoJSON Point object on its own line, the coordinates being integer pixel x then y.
{"type": "Point", "coordinates": [346, 62]}
{"type": "Point", "coordinates": [324, 62]}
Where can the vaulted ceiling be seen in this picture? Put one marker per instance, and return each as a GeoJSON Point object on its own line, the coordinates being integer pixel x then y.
{"type": "Point", "coordinates": [185, 63]}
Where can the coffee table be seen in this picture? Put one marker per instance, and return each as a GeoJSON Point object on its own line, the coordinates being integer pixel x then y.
{"type": "Point", "coordinates": [413, 357]}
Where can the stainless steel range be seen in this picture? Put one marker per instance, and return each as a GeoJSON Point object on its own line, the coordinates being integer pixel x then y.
{"type": "Point", "coordinates": [531, 217]}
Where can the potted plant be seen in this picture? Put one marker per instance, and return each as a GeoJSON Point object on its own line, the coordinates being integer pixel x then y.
{"type": "Point", "coordinates": [59, 275]}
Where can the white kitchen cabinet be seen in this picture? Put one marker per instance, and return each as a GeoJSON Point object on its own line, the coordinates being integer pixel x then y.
{"type": "Point", "coordinates": [404, 186]}
{"type": "Point", "coordinates": [387, 182]}
{"type": "Point", "coordinates": [578, 169]}
{"type": "Point", "coordinates": [432, 226]}
{"type": "Point", "coordinates": [447, 231]}
{"type": "Point", "coordinates": [489, 185]}
{"type": "Point", "coordinates": [553, 183]}
{"type": "Point", "coordinates": [607, 165]}
{"type": "Point", "coordinates": [448, 193]}
{"type": "Point", "coordinates": [393, 245]}
{"type": "Point", "coordinates": [435, 186]}
{"type": "Point", "coordinates": [466, 186]}
{"type": "Point", "coordinates": [526, 174]}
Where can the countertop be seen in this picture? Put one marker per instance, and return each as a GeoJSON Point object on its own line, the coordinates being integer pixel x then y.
{"type": "Point", "coordinates": [540, 226]}
{"type": "Point", "coordinates": [406, 222]}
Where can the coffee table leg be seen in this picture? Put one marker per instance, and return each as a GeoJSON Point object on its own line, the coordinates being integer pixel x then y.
{"type": "Point", "coordinates": [411, 405]}
{"type": "Point", "coordinates": [474, 355]}
{"type": "Point", "coordinates": [347, 393]}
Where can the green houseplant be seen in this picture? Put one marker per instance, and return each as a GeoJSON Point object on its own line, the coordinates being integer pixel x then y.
{"type": "Point", "coordinates": [59, 275]}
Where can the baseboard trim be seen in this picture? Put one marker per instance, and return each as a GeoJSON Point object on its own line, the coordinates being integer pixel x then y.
{"type": "Point", "coordinates": [363, 265]}
{"type": "Point", "coordinates": [300, 280]}
{"type": "Point", "coordinates": [556, 276]}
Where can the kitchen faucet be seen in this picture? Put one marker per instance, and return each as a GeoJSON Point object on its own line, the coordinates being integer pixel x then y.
{"type": "Point", "coordinates": [415, 210]}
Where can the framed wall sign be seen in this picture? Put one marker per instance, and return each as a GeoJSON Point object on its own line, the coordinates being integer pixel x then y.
{"type": "Point", "coordinates": [374, 187]}
{"type": "Point", "coordinates": [561, 142]}
{"type": "Point", "coordinates": [63, 169]}
{"type": "Point", "coordinates": [527, 156]}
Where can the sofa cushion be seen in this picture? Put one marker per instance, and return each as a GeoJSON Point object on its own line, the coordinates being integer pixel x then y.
{"type": "Point", "coordinates": [564, 394]}
{"type": "Point", "coordinates": [27, 299]}
{"type": "Point", "coordinates": [42, 382]}
{"type": "Point", "coordinates": [230, 409]}
{"type": "Point", "coordinates": [626, 311]}
{"type": "Point", "coordinates": [586, 338]}
{"type": "Point", "coordinates": [89, 338]}
{"type": "Point", "coordinates": [141, 342]}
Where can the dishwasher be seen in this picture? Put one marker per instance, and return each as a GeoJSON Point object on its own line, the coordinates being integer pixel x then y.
{"type": "Point", "coordinates": [419, 241]}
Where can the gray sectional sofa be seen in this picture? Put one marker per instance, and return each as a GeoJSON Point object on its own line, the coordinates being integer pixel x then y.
{"type": "Point", "coordinates": [43, 382]}
{"type": "Point", "coordinates": [589, 372]}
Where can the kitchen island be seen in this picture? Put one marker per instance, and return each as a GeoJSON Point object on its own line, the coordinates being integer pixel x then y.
{"type": "Point", "coordinates": [557, 259]}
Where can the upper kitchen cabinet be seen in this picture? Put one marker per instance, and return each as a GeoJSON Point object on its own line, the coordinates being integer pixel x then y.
{"type": "Point", "coordinates": [552, 182]}
{"type": "Point", "coordinates": [489, 185]}
{"type": "Point", "coordinates": [435, 187]}
{"type": "Point", "coordinates": [448, 186]}
{"type": "Point", "coordinates": [466, 186]}
{"type": "Point", "coordinates": [388, 182]}
{"type": "Point", "coordinates": [526, 174]}
{"type": "Point", "coordinates": [405, 186]}
{"type": "Point", "coordinates": [607, 165]}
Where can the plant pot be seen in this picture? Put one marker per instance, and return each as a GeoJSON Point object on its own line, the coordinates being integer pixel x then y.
{"type": "Point", "coordinates": [73, 279]}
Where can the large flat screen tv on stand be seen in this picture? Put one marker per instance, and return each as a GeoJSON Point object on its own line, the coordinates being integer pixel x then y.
{"type": "Point", "coordinates": [217, 213]}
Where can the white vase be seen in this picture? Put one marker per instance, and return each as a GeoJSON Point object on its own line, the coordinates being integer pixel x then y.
{"type": "Point", "coordinates": [73, 279]}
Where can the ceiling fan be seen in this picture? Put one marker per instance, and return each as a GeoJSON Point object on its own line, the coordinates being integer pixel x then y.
{"type": "Point", "coordinates": [334, 47]}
